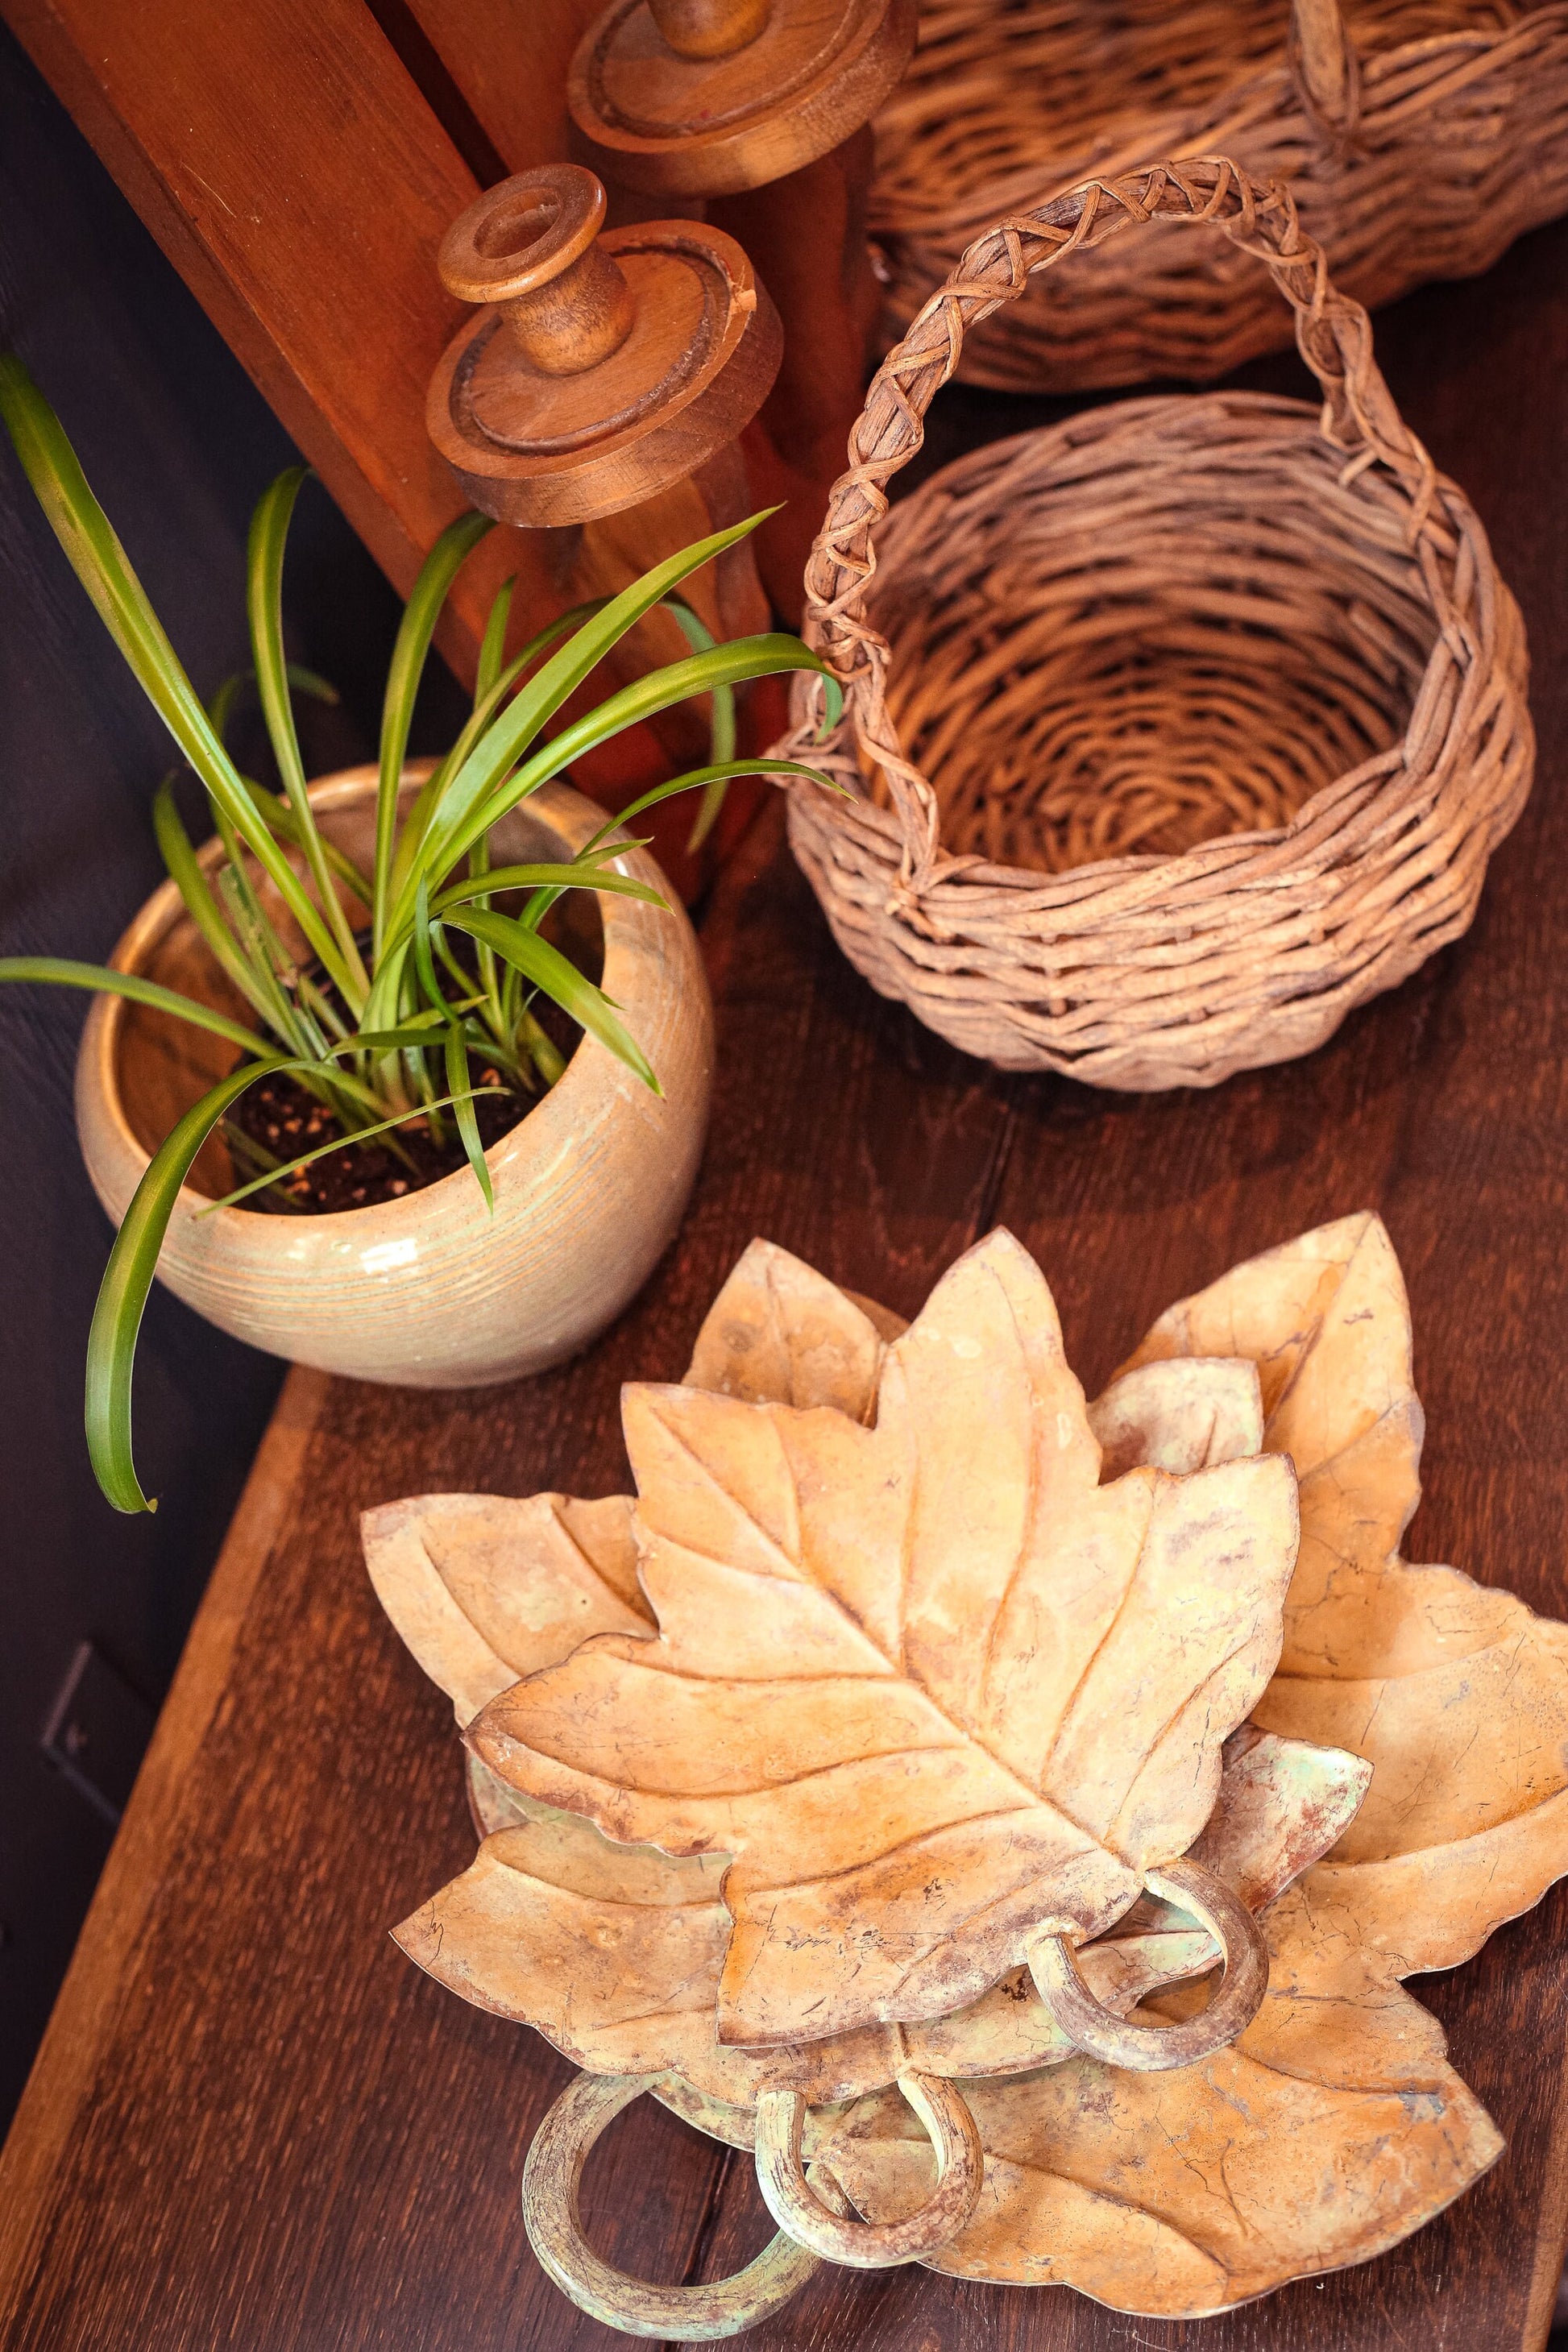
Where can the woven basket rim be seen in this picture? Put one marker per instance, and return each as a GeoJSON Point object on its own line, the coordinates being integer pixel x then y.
{"type": "Point", "coordinates": [1229, 849]}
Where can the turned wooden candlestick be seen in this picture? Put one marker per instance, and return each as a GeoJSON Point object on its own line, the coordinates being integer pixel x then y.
{"type": "Point", "coordinates": [598, 394]}
{"type": "Point", "coordinates": [603, 370]}
{"type": "Point", "coordinates": [761, 108]}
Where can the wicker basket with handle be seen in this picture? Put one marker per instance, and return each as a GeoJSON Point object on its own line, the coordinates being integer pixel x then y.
{"type": "Point", "coordinates": [1174, 731]}
{"type": "Point", "coordinates": [1419, 137]}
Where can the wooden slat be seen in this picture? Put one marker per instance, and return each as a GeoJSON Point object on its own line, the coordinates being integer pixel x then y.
{"type": "Point", "coordinates": [511, 66]}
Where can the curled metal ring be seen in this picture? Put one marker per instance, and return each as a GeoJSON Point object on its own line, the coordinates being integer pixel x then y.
{"type": "Point", "coordinates": [1125, 2040]}
{"type": "Point", "coordinates": [797, 2207]}
{"type": "Point", "coordinates": [555, 2223]}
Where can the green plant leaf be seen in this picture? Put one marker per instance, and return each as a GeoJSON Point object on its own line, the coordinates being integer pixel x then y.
{"type": "Point", "coordinates": [321, 1008]}
{"type": "Point", "coordinates": [428, 801]}
{"type": "Point", "coordinates": [101, 563]}
{"type": "Point", "coordinates": [423, 962]}
{"type": "Point", "coordinates": [388, 984]}
{"type": "Point", "coordinates": [425, 972]}
{"type": "Point", "coordinates": [416, 1032]}
{"type": "Point", "coordinates": [503, 743]}
{"type": "Point", "coordinates": [695, 777]}
{"type": "Point", "coordinates": [456, 1057]}
{"type": "Point", "coordinates": [264, 610]}
{"type": "Point", "coordinates": [220, 706]}
{"type": "Point", "coordinates": [492, 653]}
{"type": "Point", "coordinates": [277, 814]}
{"type": "Point", "coordinates": [185, 871]}
{"type": "Point", "coordinates": [64, 972]}
{"type": "Point", "coordinates": [281, 821]}
{"type": "Point", "coordinates": [542, 1049]}
{"type": "Point", "coordinates": [494, 646]}
{"type": "Point", "coordinates": [127, 1278]}
{"type": "Point", "coordinates": [587, 876]}
{"type": "Point", "coordinates": [489, 970]}
{"type": "Point", "coordinates": [263, 950]}
{"type": "Point", "coordinates": [415, 630]}
{"type": "Point", "coordinates": [731, 664]}
{"type": "Point", "coordinates": [561, 981]}
{"type": "Point", "coordinates": [249, 967]}
{"type": "Point", "coordinates": [601, 845]}
{"type": "Point", "coordinates": [721, 733]}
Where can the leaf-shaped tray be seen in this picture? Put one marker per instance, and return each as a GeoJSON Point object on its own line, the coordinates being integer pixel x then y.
{"type": "Point", "coordinates": [805, 1441]}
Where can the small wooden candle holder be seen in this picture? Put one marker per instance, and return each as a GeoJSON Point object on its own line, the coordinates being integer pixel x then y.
{"type": "Point", "coordinates": [762, 108]}
{"type": "Point", "coordinates": [604, 372]}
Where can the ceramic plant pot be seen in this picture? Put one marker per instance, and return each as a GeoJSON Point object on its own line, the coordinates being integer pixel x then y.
{"type": "Point", "coordinates": [431, 1290]}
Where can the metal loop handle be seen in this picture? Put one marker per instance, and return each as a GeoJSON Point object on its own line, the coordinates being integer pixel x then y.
{"type": "Point", "coordinates": [555, 2223]}
{"type": "Point", "coordinates": [1151, 2048]}
{"type": "Point", "coordinates": [798, 2207]}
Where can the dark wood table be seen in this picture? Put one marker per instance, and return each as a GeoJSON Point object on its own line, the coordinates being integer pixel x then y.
{"type": "Point", "coordinates": [255, 2124]}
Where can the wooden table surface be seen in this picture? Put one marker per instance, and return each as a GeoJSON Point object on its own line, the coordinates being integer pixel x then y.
{"type": "Point", "coordinates": [254, 2124]}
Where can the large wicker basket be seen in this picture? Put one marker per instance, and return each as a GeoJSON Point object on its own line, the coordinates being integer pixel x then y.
{"type": "Point", "coordinates": [1174, 731]}
{"type": "Point", "coordinates": [1419, 137]}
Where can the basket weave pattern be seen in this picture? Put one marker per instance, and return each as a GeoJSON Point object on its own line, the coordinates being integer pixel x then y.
{"type": "Point", "coordinates": [1419, 138]}
{"type": "Point", "coordinates": [1208, 711]}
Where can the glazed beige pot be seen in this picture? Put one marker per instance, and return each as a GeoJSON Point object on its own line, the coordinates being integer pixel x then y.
{"type": "Point", "coordinates": [428, 1291]}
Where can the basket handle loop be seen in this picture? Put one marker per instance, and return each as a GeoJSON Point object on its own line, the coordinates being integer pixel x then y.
{"type": "Point", "coordinates": [1333, 333]}
{"type": "Point", "coordinates": [1326, 69]}
{"type": "Point", "coordinates": [680, 2314]}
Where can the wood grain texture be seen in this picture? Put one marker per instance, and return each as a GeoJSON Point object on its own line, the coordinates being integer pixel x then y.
{"type": "Point", "coordinates": [481, 43]}
{"type": "Point", "coordinates": [680, 124]}
{"type": "Point", "coordinates": [254, 2123]}
{"type": "Point", "coordinates": [85, 2013]}
{"type": "Point", "coordinates": [796, 448]}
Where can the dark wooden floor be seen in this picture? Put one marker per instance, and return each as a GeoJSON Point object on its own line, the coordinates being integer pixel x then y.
{"type": "Point", "coordinates": [255, 2124]}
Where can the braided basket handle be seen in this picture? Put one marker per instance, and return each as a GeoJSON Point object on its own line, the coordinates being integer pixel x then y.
{"type": "Point", "coordinates": [1335, 339]}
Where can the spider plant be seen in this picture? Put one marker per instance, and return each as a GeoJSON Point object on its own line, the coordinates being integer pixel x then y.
{"type": "Point", "coordinates": [378, 1018]}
